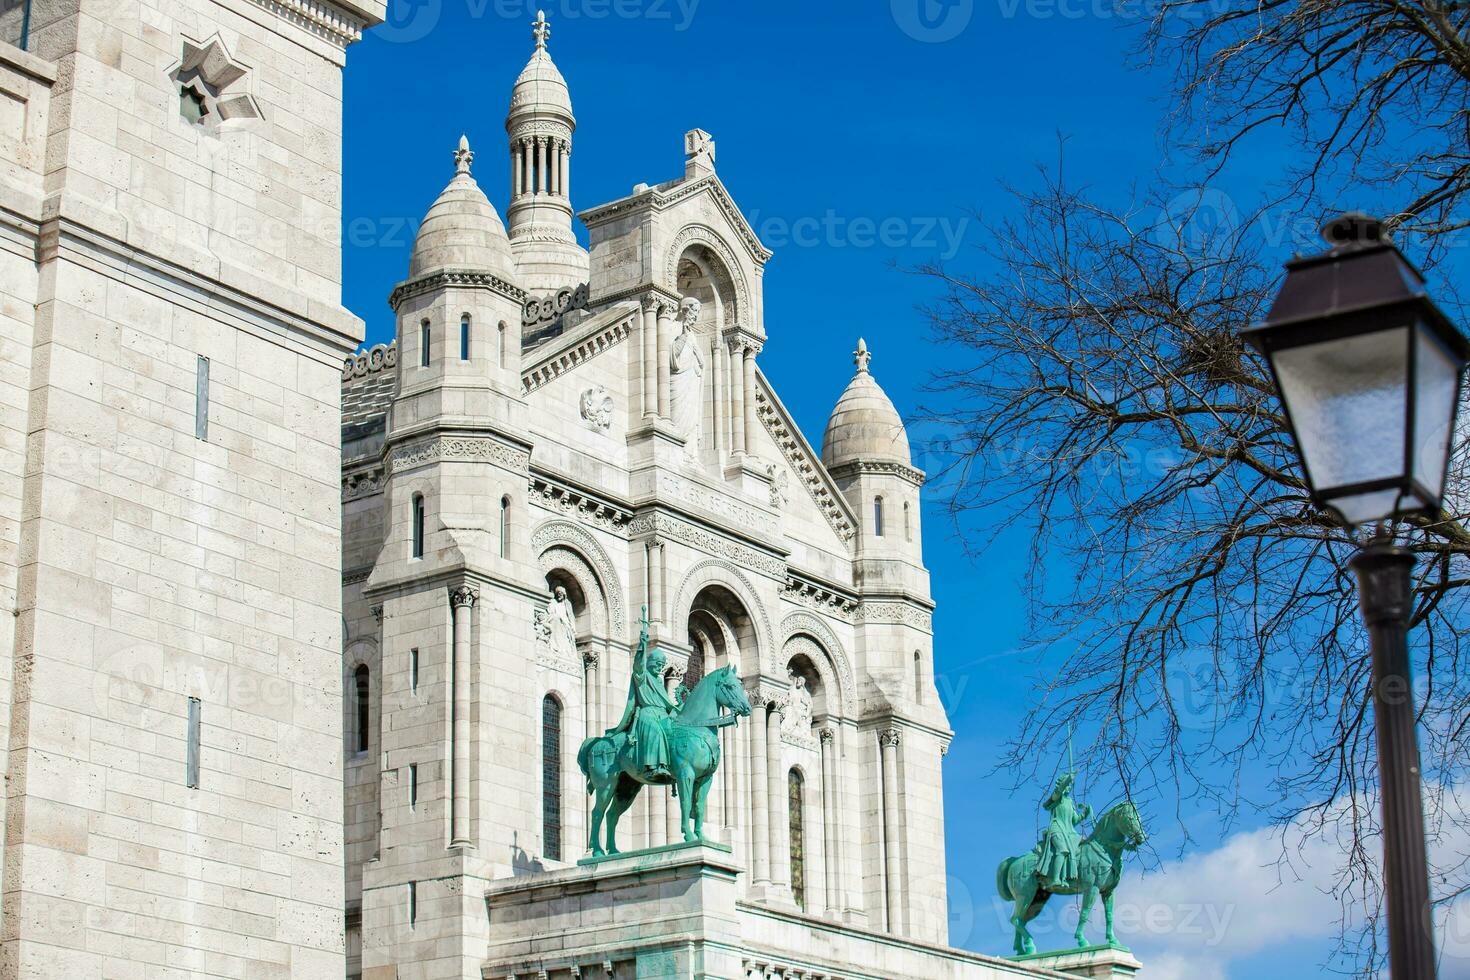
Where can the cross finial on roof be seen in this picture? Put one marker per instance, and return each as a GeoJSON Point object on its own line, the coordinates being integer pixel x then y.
{"type": "Point", "coordinates": [463, 156]}
{"type": "Point", "coordinates": [861, 357]}
{"type": "Point", "coordinates": [541, 31]}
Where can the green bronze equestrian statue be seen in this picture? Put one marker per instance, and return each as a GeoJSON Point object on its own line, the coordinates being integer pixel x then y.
{"type": "Point", "coordinates": [1066, 863]}
{"type": "Point", "coordinates": [660, 740]}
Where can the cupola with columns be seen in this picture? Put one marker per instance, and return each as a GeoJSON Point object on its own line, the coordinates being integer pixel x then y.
{"type": "Point", "coordinates": [540, 126]}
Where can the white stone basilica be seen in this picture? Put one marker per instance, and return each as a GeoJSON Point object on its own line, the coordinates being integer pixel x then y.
{"type": "Point", "coordinates": [557, 438]}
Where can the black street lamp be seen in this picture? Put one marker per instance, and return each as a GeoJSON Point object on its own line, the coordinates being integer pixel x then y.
{"type": "Point", "coordinates": [1369, 371]}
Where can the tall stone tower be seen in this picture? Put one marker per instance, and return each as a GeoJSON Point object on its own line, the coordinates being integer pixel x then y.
{"type": "Point", "coordinates": [169, 541]}
{"type": "Point", "coordinates": [540, 126]}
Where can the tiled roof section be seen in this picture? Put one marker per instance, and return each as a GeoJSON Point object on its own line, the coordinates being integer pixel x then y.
{"type": "Point", "coordinates": [368, 380]}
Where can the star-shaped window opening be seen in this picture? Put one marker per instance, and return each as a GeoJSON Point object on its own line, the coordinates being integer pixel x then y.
{"type": "Point", "coordinates": [212, 86]}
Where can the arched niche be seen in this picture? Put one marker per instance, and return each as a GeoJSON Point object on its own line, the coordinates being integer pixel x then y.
{"type": "Point", "coordinates": [805, 635]}
{"type": "Point", "coordinates": [733, 591]}
{"type": "Point", "coordinates": [700, 258]}
{"type": "Point", "coordinates": [567, 551]}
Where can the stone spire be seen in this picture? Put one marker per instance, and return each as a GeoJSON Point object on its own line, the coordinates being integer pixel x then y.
{"type": "Point", "coordinates": [463, 156]}
{"type": "Point", "coordinates": [540, 126]}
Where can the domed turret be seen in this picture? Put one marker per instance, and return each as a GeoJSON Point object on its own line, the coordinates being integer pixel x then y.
{"type": "Point", "coordinates": [540, 126]}
{"type": "Point", "coordinates": [541, 90]}
{"type": "Point", "coordinates": [864, 427]}
{"type": "Point", "coordinates": [461, 229]}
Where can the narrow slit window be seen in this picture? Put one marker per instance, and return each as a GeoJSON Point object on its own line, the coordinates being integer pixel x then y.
{"type": "Point", "coordinates": [413, 903]}
{"type": "Point", "coordinates": [464, 337]}
{"type": "Point", "coordinates": [504, 527]}
{"type": "Point", "coordinates": [551, 777]}
{"type": "Point", "coordinates": [796, 788]}
{"type": "Point", "coordinates": [413, 670]}
{"type": "Point", "coordinates": [363, 704]}
{"type": "Point", "coordinates": [191, 757]}
{"type": "Point", "coordinates": [425, 335]}
{"type": "Point", "coordinates": [418, 525]}
{"type": "Point", "coordinates": [413, 785]}
{"type": "Point", "coordinates": [908, 528]}
{"type": "Point", "coordinates": [504, 332]}
{"type": "Point", "coordinates": [201, 398]}
{"type": "Point", "coordinates": [878, 516]}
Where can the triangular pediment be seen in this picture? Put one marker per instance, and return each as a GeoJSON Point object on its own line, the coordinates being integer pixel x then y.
{"type": "Point", "coordinates": [668, 196]}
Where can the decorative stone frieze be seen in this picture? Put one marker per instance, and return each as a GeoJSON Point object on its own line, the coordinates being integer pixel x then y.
{"type": "Point", "coordinates": [457, 448]}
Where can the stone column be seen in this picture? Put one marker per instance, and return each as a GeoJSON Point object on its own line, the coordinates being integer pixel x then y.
{"type": "Point", "coordinates": [737, 396]}
{"type": "Point", "coordinates": [528, 166]}
{"type": "Point", "coordinates": [541, 174]}
{"type": "Point", "coordinates": [517, 178]}
{"type": "Point", "coordinates": [462, 601]}
{"type": "Point", "coordinates": [776, 800]}
{"type": "Point", "coordinates": [590, 686]}
{"type": "Point", "coordinates": [377, 611]}
{"type": "Point", "coordinates": [718, 423]}
{"type": "Point", "coordinates": [831, 855]}
{"type": "Point", "coordinates": [648, 344]}
{"type": "Point", "coordinates": [563, 170]}
{"type": "Point", "coordinates": [553, 157]}
{"type": "Point", "coordinates": [748, 364]}
{"type": "Point", "coordinates": [760, 822]}
{"type": "Point", "coordinates": [655, 580]}
{"type": "Point", "coordinates": [665, 340]}
{"type": "Point", "coordinates": [888, 741]}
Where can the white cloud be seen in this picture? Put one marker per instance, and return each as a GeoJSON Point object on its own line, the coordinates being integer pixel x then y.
{"type": "Point", "coordinates": [1262, 890]}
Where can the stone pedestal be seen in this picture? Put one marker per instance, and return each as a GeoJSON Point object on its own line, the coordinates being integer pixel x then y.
{"type": "Point", "coordinates": [655, 914]}
{"type": "Point", "coordinates": [1096, 962]}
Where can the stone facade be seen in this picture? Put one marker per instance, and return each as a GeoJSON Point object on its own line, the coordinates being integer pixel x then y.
{"type": "Point", "coordinates": [169, 540]}
{"type": "Point", "coordinates": [552, 417]}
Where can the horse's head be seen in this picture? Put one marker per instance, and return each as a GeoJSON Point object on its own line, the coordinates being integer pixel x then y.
{"type": "Point", "coordinates": [729, 692]}
{"type": "Point", "coordinates": [1124, 824]}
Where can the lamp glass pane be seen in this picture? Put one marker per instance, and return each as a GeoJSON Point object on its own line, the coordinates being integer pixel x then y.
{"type": "Point", "coordinates": [1348, 400]}
{"type": "Point", "coordinates": [1363, 508]}
{"type": "Point", "coordinates": [1436, 374]}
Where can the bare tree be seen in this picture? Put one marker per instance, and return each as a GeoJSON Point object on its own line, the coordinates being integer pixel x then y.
{"type": "Point", "coordinates": [1375, 92]}
{"type": "Point", "coordinates": [1104, 401]}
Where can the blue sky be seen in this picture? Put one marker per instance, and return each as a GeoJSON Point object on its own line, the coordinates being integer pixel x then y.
{"type": "Point", "coordinates": [858, 138]}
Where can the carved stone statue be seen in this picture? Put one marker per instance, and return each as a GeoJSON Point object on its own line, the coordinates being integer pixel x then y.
{"type": "Point", "coordinates": [686, 378]}
{"type": "Point", "coordinates": [1065, 863]}
{"type": "Point", "coordinates": [561, 626]}
{"type": "Point", "coordinates": [798, 719]}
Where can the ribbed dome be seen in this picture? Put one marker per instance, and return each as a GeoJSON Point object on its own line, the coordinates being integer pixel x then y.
{"type": "Point", "coordinates": [864, 425]}
{"type": "Point", "coordinates": [540, 87]}
{"type": "Point", "coordinates": [461, 229]}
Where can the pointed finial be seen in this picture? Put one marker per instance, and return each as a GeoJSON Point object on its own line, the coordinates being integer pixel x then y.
{"type": "Point", "coordinates": [861, 357]}
{"type": "Point", "coordinates": [541, 30]}
{"type": "Point", "coordinates": [463, 156]}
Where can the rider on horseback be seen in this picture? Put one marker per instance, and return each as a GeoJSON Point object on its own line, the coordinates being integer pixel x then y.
{"type": "Point", "coordinates": [1058, 848]}
{"type": "Point", "coordinates": [646, 718]}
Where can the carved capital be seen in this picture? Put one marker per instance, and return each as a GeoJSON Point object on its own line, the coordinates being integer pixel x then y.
{"type": "Point", "coordinates": [464, 595]}
{"type": "Point", "coordinates": [828, 736]}
{"type": "Point", "coordinates": [377, 612]}
{"type": "Point", "coordinates": [649, 302]}
{"type": "Point", "coordinates": [589, 658]}
{"type": "Point", "coordinates": [890, 738]}
{"type": "Point", "coordinates": [756, 698]}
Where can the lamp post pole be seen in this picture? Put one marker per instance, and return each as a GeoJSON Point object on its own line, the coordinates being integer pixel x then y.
{"type": "Point", "coordinates": [1386, 597]}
